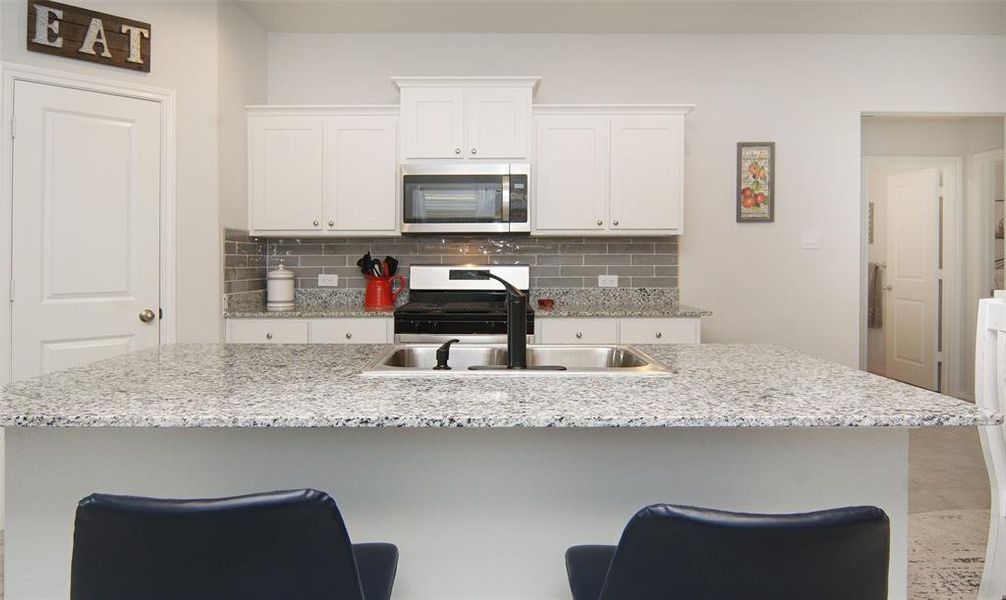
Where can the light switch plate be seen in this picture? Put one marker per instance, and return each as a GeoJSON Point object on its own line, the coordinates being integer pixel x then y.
{"type": "Point", "coordinates": [607, 281]}
{"type": "Point", "coordinates": [810, 240]}
{"type": "Point", "coordinates": [328, 280]}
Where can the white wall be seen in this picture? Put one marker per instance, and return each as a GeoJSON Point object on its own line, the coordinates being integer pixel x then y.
{"type": "Point", "coordinates": [806, 93]}
{"type": "Point", "coordinates": [184, 59]}
{"type": "Point", "coordinates": [242, 54]}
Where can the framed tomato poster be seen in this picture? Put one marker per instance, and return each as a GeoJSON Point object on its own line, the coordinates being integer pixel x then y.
{"type": "Point", "coordinates": [756, 182]}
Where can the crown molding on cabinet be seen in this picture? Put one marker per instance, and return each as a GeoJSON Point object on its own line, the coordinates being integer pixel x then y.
{"type": "Point", "coordinates": [494, 81]}
{"type": "Point", "coordinates": [297, 110]}
{"type": "Point", "coordinates": [610, 109]}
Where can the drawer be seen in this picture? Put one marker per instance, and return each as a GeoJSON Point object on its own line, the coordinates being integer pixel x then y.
{"type": "Point", "coordinates": [370, 330]}
{"type": "Point", "coordinates": [577, 331]}
{"type": "Point", "coordinates": [659, 331]}
{"type": "Point", "coordinates": [266, 331]}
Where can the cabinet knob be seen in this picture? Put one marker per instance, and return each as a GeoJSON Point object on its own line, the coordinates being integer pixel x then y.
{"type": "Point", "coordinates": [474, 151]}
{"type": "Point", "coordinates": [659, 335]}
{"type": "Point", "coordinates": [331, 223]}
{"type": "Point", "coordinates": [349, 335]}
{"type": "Point", "coordinates": [579, 335]}
{"type": "Point", "coordinates": [615, 223]}
{"type": "Point", "coordinates": [268, 336]}
{"type": "Point", "coordinates": [600, 222]}
{"type": "Point", "coordinates": [457, 151]}
{"type": "Point", "coordinates": [317, 222]}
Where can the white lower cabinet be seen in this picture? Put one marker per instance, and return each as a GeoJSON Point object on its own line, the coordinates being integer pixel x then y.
{"type": "Point", "coordinates": [369, 330]}
{"type": "Point", "coordinates": [659, 331]}
{"type": "Point", "coordinates": [266, 331]}
{"type": "Point", "coordinates": [619, 331]}
{"type": "Point", "coordinates": [577, 331]}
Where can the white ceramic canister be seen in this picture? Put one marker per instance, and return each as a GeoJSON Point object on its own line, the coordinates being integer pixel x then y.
{"type": "Point", "coordinates": [279, 290]}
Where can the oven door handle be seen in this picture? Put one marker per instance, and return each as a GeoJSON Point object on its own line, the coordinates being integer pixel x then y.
{"type": "Point", "coordinates": [506, 199]}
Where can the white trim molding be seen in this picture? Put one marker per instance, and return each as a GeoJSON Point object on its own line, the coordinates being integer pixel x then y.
{"type": "Point", "coordinates": [10, 74]}
{"type": "Point", "coordinates": [518, 81]}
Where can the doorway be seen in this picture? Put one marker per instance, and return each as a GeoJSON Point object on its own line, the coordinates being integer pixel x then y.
{"type": "Point", "coordinates": [928, 254]}
{"type": "Point", "coordinates": [88, 182]}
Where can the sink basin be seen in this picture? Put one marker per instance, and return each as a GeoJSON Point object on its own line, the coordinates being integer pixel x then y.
{"type": "Point", "coordinates": [419, 359]}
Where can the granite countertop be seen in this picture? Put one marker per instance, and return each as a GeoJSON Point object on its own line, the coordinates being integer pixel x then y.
{"type": "Point", "coordinates": [314, 312]}
{"type": "Point", "coordinates": [229, 385]}
{"type": "Point", "coordinates": [667, 311]}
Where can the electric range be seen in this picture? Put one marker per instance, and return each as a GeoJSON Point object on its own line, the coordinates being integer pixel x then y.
{"type": "Point", "coordinates": [473, 311]}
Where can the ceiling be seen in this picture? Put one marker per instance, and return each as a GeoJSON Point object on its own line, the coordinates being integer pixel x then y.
{"type": "Point", "coordinates": [632, 16]}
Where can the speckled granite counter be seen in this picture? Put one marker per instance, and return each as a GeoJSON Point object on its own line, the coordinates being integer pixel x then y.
{"type": "Point", "coordinates": [320, 386]}
{"type": "Point", "coordinates": [569, 303]}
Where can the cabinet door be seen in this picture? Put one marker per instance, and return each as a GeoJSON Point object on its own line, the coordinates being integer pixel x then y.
{"type": "Point", "coordinates": [361, 159]}
{"type": "Point", "coordinates": [286, 174]}
{"type": "Point", "coordinates": [432, 123]}
{"type": "Point", "coordinates": [498, 122]}
{"type": "Point", "coordinates": [647, 160]}
{"type": "Point", "coordinates": [577, 331]}
{"type": "Point", "coordinates": [571, 174]}
{"type": "Point", "coordinates": [368, 330]}
{"type": "Point", "coordinates": [266, 331]}
{"type": "Point", "coordinates": [659, 331]}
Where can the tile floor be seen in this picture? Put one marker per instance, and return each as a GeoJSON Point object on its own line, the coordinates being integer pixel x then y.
{"type": "Point", "coordinates": [948, 514]}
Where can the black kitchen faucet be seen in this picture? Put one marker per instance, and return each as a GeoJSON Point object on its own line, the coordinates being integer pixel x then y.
{"type": "Point", "coordinates": [516, 322]}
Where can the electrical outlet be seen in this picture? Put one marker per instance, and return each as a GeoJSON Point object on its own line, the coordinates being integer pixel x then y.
{"type": "Point", "coordinates": [607, 281]}
{"type": "Point", "coordinates": [327, 280]}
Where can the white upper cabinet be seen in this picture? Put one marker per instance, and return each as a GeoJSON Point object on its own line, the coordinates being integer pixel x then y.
{"type": "Point", "coordinates": [609, 170]}
{"type": "Point", "coordinates": [361, 156]}
{"type": "Point", "coordinates": [433, 121]}
{"type": "Point", "coordinates": [323, 170]}
{"type": "Point", "coordinates": [285, 170]}
{"type": "Point", "coordinates": [571, 173]}
{"type": "Point", "coordinates": [647, 173]}
{"type": "Point", "coordinates": [498, 122]}
{"type": "Point", "coordinates": [466, 118]}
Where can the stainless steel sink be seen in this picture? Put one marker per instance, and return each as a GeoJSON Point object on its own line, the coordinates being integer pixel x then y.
{"type": "Point", "coordinates": [419, 359]}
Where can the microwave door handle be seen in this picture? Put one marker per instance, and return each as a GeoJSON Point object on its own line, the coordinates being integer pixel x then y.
{"type": "Point", "coordinates": [506, 199]}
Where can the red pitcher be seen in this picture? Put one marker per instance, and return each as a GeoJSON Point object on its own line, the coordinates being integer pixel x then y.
{"type": "Point", "coordinates": [380, 295]}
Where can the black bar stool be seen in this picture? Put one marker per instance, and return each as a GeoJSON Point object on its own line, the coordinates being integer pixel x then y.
{"type": "Point", "coordinates": [672, 552]}
{"type": "Point", "coordinates": [289, 544]}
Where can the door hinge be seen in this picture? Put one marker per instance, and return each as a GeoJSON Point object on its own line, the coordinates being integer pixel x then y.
{"type": "Point", "coordinates": [160, 313]}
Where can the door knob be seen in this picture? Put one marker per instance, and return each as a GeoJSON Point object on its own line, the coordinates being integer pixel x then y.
{"type": "Point", "coordinates": [147, 315]}
{"type": "Point", "coordinates": [888, 288]}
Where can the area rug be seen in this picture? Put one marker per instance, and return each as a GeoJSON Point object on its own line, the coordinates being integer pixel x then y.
{"type": "Point", "coordinates": [946, 554]}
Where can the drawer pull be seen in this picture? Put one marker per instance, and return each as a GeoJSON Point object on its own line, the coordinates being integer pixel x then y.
{"type": "Point", "coordinates": [349, 335]}
{"type": "Point", "coordinates": [268, 336]}
{"type": "Point", "coordinates": [579, 334]}
{"type": "Point", "coordinates": [659, 335]}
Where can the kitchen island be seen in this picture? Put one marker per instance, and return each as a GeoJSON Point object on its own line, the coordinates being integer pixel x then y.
{"type": "Point", "coordinates": [481, 481]}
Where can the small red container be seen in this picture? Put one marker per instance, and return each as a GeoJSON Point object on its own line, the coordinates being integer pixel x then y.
{"type": "Point", "coordinates": [380, 293]}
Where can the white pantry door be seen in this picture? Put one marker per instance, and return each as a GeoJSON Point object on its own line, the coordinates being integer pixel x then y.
{"type": "Point", "coordinates": [86, 211]}
{"type": "Point", "coordinates": [911, 309]}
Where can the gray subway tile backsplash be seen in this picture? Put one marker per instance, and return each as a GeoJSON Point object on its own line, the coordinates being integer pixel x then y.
{"type": "Point", "coordinates": [640, 262]}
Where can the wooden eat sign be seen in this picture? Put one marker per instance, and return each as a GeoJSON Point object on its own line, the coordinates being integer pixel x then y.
{"type": "Point", "coordinates": [73, 32]}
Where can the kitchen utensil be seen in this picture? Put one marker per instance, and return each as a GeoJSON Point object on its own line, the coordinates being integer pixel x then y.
{"type": "Point", "coordinates": [380, 294]}
{"type": "Point", "coordinates": [366, 264]}
{"type": "Point", "coordinates": [392, 264]}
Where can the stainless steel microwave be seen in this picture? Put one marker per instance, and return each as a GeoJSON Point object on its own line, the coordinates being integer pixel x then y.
{"type": "Point", "coordinates": [466, 198]}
